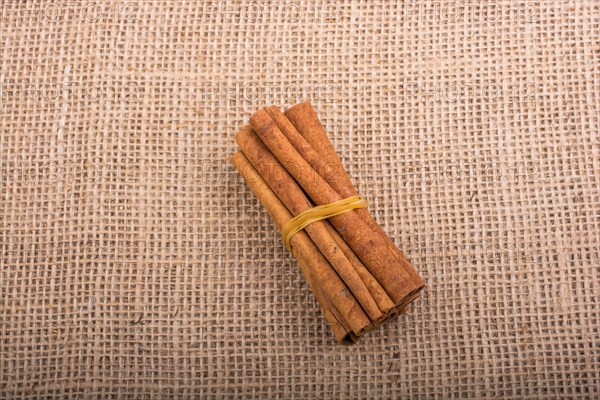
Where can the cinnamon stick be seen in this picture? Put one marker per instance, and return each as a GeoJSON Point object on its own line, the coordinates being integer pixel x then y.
{"type": "Point", "coordinates": [331, 175]}
{"type": "Point", "coordinates": [382, 299]}
{"type": "Point", "coordinates": [387, 268]}
{"type": "Point", "coordinates": [341, 310]}
{"type": "Point", "coordinates": [317, 149]}
{"type": "Point", "coordinates": [291, 195]}
{"type": "Point", "coordinates": [304, 117]}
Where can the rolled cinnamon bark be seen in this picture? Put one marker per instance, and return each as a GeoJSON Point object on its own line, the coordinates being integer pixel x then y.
{"type": "Point", "coordinates": [329, 168]}
{"type": "Point", "coordinates": [374, 252]}
{"type": "Point", "coordinates": [382, 299]}
{"type": "Point", "coordinates": [335, 174]}
{"type": "Point", "coordinates": [311, 141]}
{"type": "Point", "coordinates": [304, 117]}
{"type": "Point", "coordinates": [341, 309]}
{"type": "Point", "coordinates": [291, 195]}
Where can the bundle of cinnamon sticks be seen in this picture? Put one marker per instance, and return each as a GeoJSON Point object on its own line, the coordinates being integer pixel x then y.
{"type": "Point", "coordinates": [357, 274]}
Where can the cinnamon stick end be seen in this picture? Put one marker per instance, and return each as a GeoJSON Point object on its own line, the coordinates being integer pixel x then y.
{"type": "Point", "coordinates": [261, 121]}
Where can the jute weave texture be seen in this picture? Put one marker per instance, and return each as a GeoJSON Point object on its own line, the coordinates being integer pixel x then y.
{"type": "Point", "coordinates": [136, 263]}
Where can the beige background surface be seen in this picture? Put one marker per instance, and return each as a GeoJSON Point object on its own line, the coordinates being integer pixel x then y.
{"type": "Point", "coordinates": [137, 264]}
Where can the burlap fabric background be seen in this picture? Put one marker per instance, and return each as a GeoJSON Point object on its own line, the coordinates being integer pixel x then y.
{"type": "Point", "coordinates": [137, 264]}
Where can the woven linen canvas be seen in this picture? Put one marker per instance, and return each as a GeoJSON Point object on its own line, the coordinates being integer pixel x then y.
{"type": "Point", "coordinates": [136, 263]}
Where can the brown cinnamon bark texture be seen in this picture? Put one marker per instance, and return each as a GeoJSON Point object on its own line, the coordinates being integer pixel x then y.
{"type": "Point", "coordinates": [373, 251]}
{"type": "Point", "coordinates": [382, 299]}
{"type": "Point", "coordinates": [304, 130]}
{"type": "Point", "coordinates": [328, 288]}
{"type": "Point", "coordinates": [357, 274]}
{"type": "Point", "coordinates": [294, 199]}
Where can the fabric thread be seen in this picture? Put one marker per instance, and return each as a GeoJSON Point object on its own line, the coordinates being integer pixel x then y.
{"type": "Point", "coordinates": [136, 263]}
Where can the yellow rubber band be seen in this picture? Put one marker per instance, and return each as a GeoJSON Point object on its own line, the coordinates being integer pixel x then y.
{"type": "Point", "coordinates": [319, 213]}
